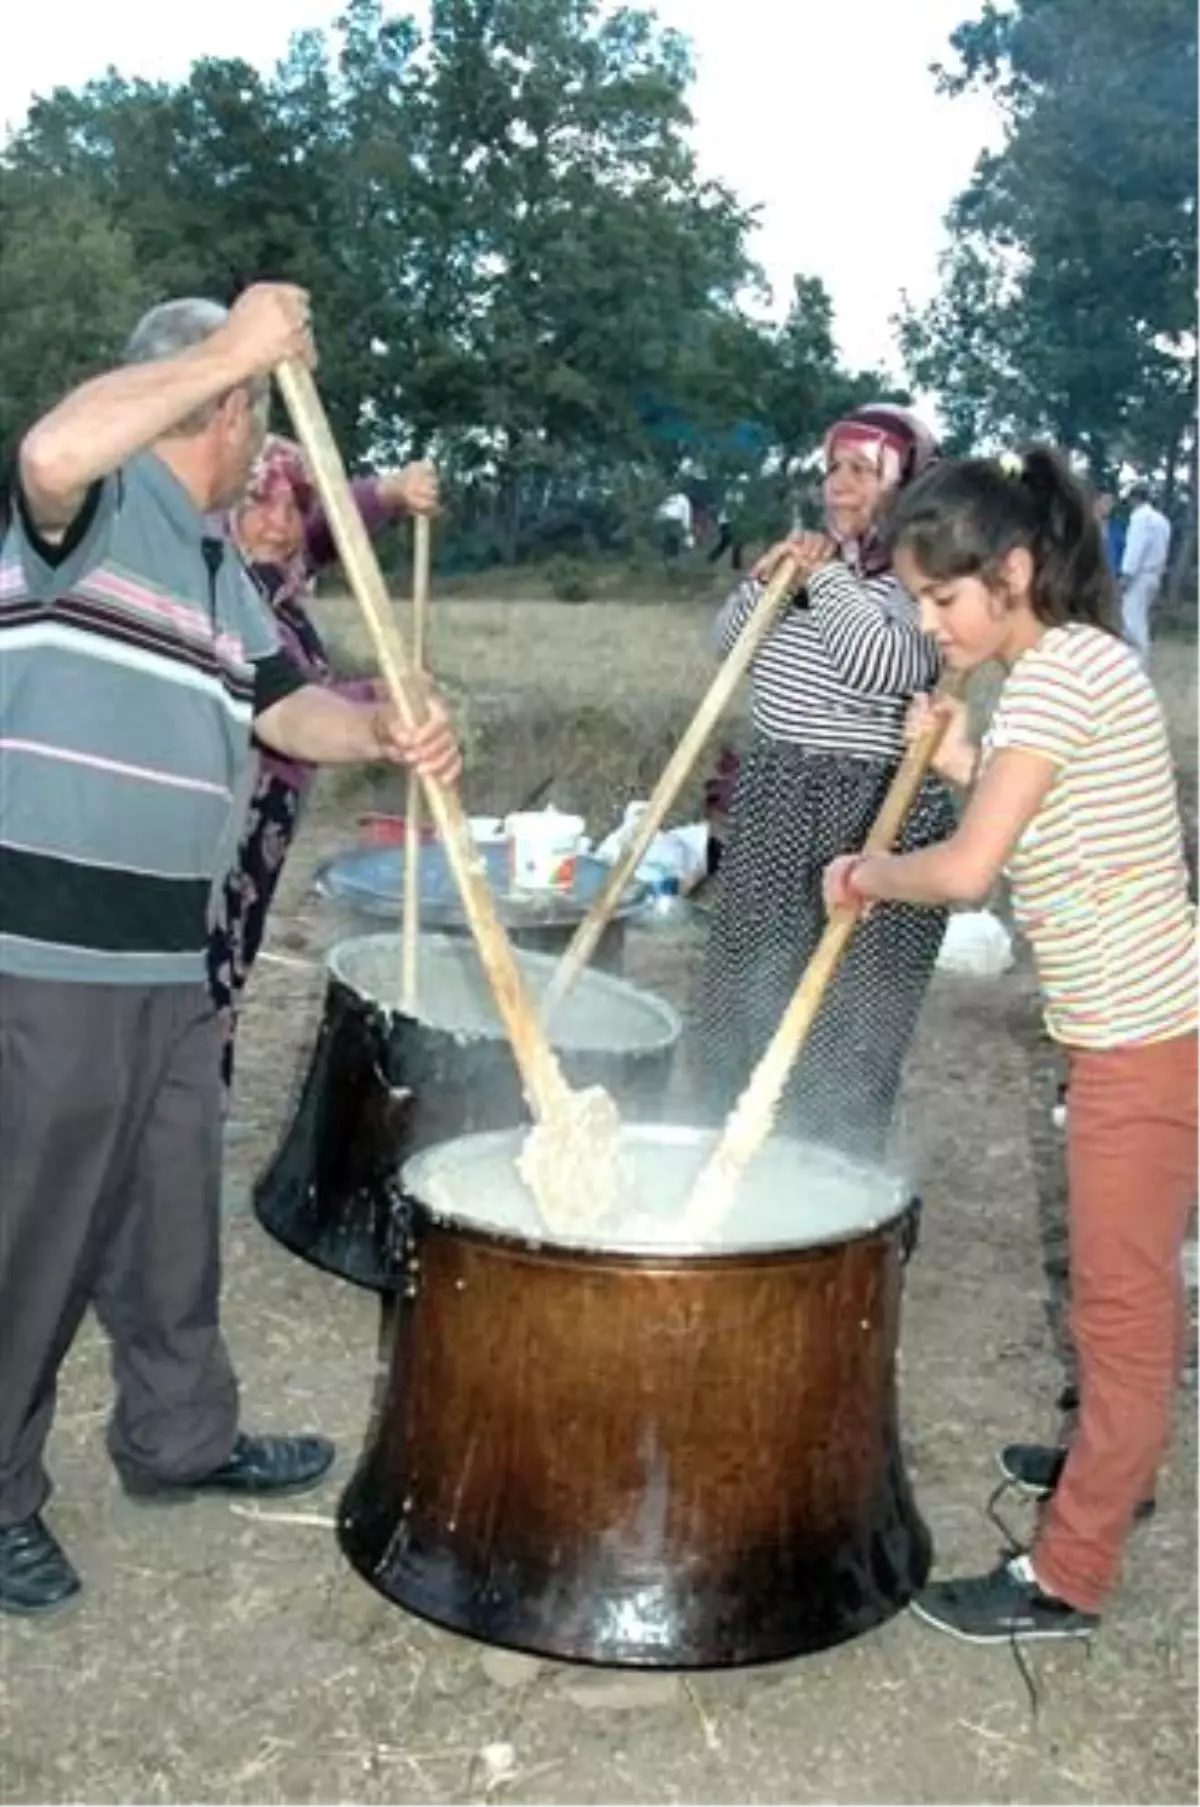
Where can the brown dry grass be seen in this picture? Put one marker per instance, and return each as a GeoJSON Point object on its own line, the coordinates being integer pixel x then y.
{"type": "Point", "coordinates": [592, 695]}
{"type": "Point", "coordinates": [589, 652]}
{"type": "Point", "coordinates": [597, 695]}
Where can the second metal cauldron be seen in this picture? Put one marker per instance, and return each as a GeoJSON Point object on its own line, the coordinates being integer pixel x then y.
{"type": "Point", "coordinates": [381, 1085]}
{"type": "Point", "coordinates": [642, 1455]}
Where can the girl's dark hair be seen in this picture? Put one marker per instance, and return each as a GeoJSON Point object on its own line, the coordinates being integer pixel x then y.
{"type": "Point", "coordinates": [964, 516]}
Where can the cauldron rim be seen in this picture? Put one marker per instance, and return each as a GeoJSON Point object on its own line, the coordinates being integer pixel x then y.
{"type": "Point", "coordinates": [550, 1247]}
{"type": "Point", "coordinates": [670, 1022]}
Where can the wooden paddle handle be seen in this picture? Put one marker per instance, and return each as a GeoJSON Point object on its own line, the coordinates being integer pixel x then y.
{"type": "Point", "coordinates": [753, 1117]}
{"type": "Point", "coordinates": [411, 924]}
{"type": "Point", "coordinates": [586, 938]}
{"type": "Point", "coordinates": [543, 1081]}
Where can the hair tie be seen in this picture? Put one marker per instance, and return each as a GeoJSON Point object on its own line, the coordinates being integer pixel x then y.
{"type": "Point", "coordinates": [1011, 464]}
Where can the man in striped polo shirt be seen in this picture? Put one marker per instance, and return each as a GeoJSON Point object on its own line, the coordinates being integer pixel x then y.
{"type": "Point", "coordinates": [136, 658]}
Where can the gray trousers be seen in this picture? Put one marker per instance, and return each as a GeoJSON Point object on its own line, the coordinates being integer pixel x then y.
{"type": "Point", "coordinates": [110, 1177]}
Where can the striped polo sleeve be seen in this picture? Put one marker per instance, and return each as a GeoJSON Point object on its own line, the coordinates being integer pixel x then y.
{"type": "Point", "coordinates": [1046, 707]}
{"type": "Point", "coordinates": [52, 567]}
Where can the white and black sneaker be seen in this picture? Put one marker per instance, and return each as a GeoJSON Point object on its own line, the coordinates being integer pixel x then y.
{"type": "Point", "coordinates": [1008, 1604]}
{"type": "Point", "coordinates": [1035, 1469]}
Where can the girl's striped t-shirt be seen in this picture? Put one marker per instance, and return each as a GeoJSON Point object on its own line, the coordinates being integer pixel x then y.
{"type": "Point", "coordinates": [1098, 878]}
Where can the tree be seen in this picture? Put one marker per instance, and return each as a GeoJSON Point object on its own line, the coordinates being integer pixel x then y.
{"type": "Point", "coordinates": [1067, 305]}
{"type": "Point", "coordinates": [69, 292]}
{"type": "Point", "coordinates": [515, 263]}
{"type": "Point", "coordinates": [590, 254]}
{"type": "Point", "coordinates": [810, 390]}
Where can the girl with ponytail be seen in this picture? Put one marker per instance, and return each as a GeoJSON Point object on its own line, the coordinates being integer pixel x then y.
{"type": "Point", "coordinates": [1073, 796]}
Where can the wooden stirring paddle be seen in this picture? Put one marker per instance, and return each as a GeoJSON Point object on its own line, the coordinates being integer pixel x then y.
{"type": "Point", "coordinates": [411, 924]}
{"type": "Point", "coordinates": [753, 1116]}
{"type": "Point", "coordinates": [587, 936]}
{"type": "Point", "coordinates": [571, 1158]}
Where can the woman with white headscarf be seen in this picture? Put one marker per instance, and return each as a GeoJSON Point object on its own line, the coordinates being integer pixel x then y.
{"type": "Point", "coordinates": [830, 689]}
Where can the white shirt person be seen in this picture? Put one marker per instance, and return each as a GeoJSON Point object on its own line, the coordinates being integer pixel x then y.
{"type": "Point", "coordinates": [1143, 567]}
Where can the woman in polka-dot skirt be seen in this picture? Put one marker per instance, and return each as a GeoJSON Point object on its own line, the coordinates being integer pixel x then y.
{"type": "Point", "coordinates": [830, 686]}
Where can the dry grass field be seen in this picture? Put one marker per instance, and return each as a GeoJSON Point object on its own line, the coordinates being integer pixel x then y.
{"type": "Point", "coordinates": [227, 1653]}
{"type": "Point", "coordinates": [592, 695]}
{"type": "Point", "coordinates": [597, 694]}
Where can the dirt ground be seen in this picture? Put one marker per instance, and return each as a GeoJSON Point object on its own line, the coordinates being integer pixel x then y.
{"type": "Point", "coordinates": [226, 1652]}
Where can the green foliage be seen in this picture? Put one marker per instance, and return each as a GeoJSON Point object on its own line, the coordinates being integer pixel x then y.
{"type": "Point", "coordinates": [1068, 305]}
{"type": "Point", "coordinates": [514, 259]}
{"type": "Point", "coordinates": [568, 580]}
{"type": "Point", "coordinates": [69, 292]}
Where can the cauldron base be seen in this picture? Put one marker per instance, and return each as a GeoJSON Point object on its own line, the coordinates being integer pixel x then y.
{"type": "Point", "coordinates": [653, 1621]}
{"type": "Point", "coordinates": [642, 1458]}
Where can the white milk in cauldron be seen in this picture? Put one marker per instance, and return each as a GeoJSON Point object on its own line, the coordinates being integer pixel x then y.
{"type": "Point", "coordinates": [795, 1195]}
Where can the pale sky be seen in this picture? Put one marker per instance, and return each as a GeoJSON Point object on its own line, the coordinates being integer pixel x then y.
{"type": "Point", "coordinates": [825, 115]}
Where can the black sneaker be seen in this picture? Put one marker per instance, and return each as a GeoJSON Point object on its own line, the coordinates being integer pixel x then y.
{"type": "Point", "coordinates": [1036, 1469]}
{"type": "Point", "coordinates": [256, 1465]}
{"type": "Point", "coordinates": [1032, 1468]}
{"type": "Point", "coordinates": [36, 1574]}
{"type": "Point", "coordinates": [996, 1608]}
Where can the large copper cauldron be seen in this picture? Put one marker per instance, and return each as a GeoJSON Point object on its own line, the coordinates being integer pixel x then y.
{"type": "Point", "coordinates": [640, 1455]}
{"type": "Point", "coordinates": [381, 1085]}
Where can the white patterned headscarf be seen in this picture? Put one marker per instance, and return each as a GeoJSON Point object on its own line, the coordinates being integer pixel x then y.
{"type": "Point", "coordinates": [899, 444]}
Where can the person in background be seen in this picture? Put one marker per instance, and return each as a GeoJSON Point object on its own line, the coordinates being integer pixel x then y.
{"type": "Point", "coordinates": [138, 658]}
{"type": "Point", "coordinates": [729, 527]}
{"type": "Point", "coordinates": [282, 533]}
{"type": "Point", "coordinates": [1073, 794]}
{"type": "Point", "coordinates": [1143, 567]}
{"type": "Point", "coordinates": [830, 687]}
{"type": "Point", "coordinates": [1112, 528]}
{"type": "Point", "coordinates": [675, 522]}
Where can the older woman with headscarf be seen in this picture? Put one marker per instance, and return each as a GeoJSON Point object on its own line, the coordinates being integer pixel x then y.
{"type": "Point", "coordinates": [830, 688]}
{"type": "Point", "coordinates": [284, 537]}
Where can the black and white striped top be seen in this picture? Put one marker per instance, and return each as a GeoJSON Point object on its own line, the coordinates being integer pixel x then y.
{"type": "Point", "coordinates": [838, 671]}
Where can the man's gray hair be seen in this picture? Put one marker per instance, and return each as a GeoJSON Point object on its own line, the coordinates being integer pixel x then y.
{"type": "Point", "coordinates": [172, 327]}
{"type": "Point", "coordinates": [175, 326]}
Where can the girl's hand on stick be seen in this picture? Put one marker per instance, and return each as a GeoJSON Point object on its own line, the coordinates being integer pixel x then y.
{"type": "Point", "coordinates": [958, 755]}
{"type": "Point", "coordinates": [840, 888]}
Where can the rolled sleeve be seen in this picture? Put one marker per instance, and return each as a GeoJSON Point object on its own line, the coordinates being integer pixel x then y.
{"type": "Point", "coordinates": [276, 677]}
